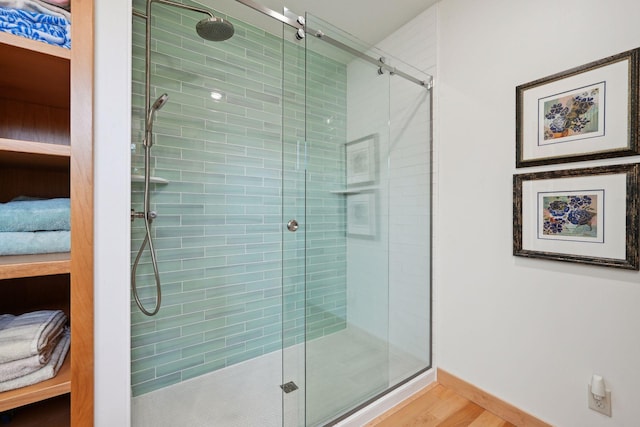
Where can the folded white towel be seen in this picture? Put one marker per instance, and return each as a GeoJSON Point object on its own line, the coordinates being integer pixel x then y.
{"type": "Point", "coordinates": [29, 334]}
{"type": "Point", "coordinates": [50, 370]}
{"type": "Point", "coordinates": [22, 367]}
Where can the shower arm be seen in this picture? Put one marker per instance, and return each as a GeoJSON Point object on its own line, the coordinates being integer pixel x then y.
{"type": "Point", "coordinates": [147, 58]}
{"type": "Point", "coordinates": [180, 5]}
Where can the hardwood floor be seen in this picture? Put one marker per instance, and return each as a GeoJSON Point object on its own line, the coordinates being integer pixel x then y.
{"type": "Point", "coordinates": [439, 406]}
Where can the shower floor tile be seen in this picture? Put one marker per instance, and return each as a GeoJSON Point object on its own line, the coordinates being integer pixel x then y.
{"type": "Point", "coordinates": [343, 369]}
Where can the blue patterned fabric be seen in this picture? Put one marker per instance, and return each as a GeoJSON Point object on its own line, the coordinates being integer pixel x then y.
{"type": "Point", "coordinates": [36, 26]}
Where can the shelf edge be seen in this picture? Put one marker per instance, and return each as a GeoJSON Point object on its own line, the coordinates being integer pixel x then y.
{"type": "Point", "coordinates": [19, 266]}
{"type": "Point", "coordinates": [31, 147]}
{"type": "Point", "coordinates": [34, 46]}
{"type": "Point", "coordinates": [56, 386]}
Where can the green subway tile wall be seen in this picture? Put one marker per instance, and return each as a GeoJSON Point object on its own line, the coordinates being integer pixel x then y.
{"type": "Point", "coordinates": [233, 285]}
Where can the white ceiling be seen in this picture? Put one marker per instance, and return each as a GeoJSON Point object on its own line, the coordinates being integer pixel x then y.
{"type": "Point", "coordinates": [369, 21]}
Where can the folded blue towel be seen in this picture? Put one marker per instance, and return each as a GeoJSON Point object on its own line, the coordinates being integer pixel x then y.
{"type": "Point", "coordinates": [50, 29]}
{"type": "Point", "coordinates": [35, 215]}
{"type": "Point", "coordinates": [38, 242]}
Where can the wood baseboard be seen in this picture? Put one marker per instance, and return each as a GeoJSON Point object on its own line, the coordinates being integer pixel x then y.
{"type": "Point", "coordinates": [489, 402]}
{"type": "Point", "coordinates": [401, 406]}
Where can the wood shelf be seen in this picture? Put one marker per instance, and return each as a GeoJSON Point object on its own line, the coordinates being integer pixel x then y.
{"type": "Point", "coordinates": [56, 386]}
{"type": "Point", "coordinates": [34, 71]}
{"type": "Point", "coordinates": [34, 154]}
{"type": "Point", "coordinates": [34, 46]}
{"type": "Point", "coordinates": [17, 266]}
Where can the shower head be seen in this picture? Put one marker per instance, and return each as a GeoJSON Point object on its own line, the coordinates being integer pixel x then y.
{"type": "Point", "coordinates": [159, 103]}
{"type": "Point", "coordinates": [214, 29]}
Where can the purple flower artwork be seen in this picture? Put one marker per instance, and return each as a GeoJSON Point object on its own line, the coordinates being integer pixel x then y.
{"type": "Point", "coordinates": [572, 114]}
{"type": "Point", "coordinates": [570, 215]}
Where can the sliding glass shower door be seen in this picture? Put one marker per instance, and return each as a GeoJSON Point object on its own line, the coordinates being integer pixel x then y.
{"type": "Point", "coordinates": [347, 120]}
{"type": "Point", "coordinates": [367, 298]}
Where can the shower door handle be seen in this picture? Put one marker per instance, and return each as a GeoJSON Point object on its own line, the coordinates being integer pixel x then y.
{"type": "Point", "coordinates": [292, 225]}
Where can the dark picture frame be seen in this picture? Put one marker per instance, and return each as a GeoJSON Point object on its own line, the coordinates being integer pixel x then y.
{"type": "Point", "coordinates": [585, 113]}
{"type": "Point", "coordinates": [587, 216]}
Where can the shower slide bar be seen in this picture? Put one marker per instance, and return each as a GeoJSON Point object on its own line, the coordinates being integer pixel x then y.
{"type": "Point", "coordinates": [378, 62]}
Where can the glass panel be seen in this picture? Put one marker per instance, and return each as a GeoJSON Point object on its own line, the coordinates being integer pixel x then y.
{"type": "Point", "coordinates": [409, 227]}
{"type": "Point", "coordinates": [293, 206]}
{"type": "Point", "coordinates": [214, 350]}
{"type": "Point", "coordinates": [368, 238]}
{"type": "Point", "coordinates": [347, 298]}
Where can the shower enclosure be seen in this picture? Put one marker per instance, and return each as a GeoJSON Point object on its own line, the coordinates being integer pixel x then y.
{"type": "Point", "coordinates": [291, 176]}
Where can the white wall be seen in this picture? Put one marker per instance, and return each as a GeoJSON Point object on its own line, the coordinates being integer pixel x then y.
{"type": "Point", "coordinates": [112, 118]}
{"type": "Point", "coordinates": [528, 331]}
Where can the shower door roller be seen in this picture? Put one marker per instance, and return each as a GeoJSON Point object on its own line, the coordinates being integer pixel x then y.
{"type": "Point", "coordinates": [292, 225]}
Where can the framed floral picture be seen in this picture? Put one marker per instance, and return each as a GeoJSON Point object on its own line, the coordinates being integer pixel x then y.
{"type": "Point", "coordinates": [589, 112]}
{"type": "Point", "coordinates": [588, 216]}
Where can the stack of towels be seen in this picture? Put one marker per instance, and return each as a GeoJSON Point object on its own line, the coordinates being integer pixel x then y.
{"type": "Point", "coordinates": [33, 347]}
{"type": "Point", "coordinates": [48, 21]}
{"type": "Point", "coordinates": [35, 226]}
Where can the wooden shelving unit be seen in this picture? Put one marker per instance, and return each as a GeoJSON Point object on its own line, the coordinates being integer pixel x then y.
{"type": "Point", "coordinates": [46, 150]}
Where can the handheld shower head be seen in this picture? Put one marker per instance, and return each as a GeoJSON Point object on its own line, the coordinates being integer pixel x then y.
{"type": "Point", "coordinates": [158, 104]}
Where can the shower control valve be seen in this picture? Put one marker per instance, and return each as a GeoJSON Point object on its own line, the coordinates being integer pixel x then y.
{"type": "Point", "coordinates": [292, 225]}
{"type": "Point", "coordinates": [135, 215]}
{"type": "Point", "coordinates": [151, 215]}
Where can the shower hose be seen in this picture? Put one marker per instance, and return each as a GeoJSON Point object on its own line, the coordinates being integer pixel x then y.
{"type": "Point", "coordinates": [148, 215]}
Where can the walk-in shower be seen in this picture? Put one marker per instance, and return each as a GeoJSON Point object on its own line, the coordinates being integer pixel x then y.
{"type": "Point", "coordinates": [291, 174]}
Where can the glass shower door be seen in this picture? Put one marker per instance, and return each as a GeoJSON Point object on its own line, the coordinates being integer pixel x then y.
{"type": "Point", "coordinates": [294, 229]}
{"type": "Point", "coordinates": [347, 313]}
{"type": "Point", "coordinates": [213, 355]}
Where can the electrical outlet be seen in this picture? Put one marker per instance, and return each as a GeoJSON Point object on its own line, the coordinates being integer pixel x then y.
{"type": "Point", "coordinates": [603, 405]}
